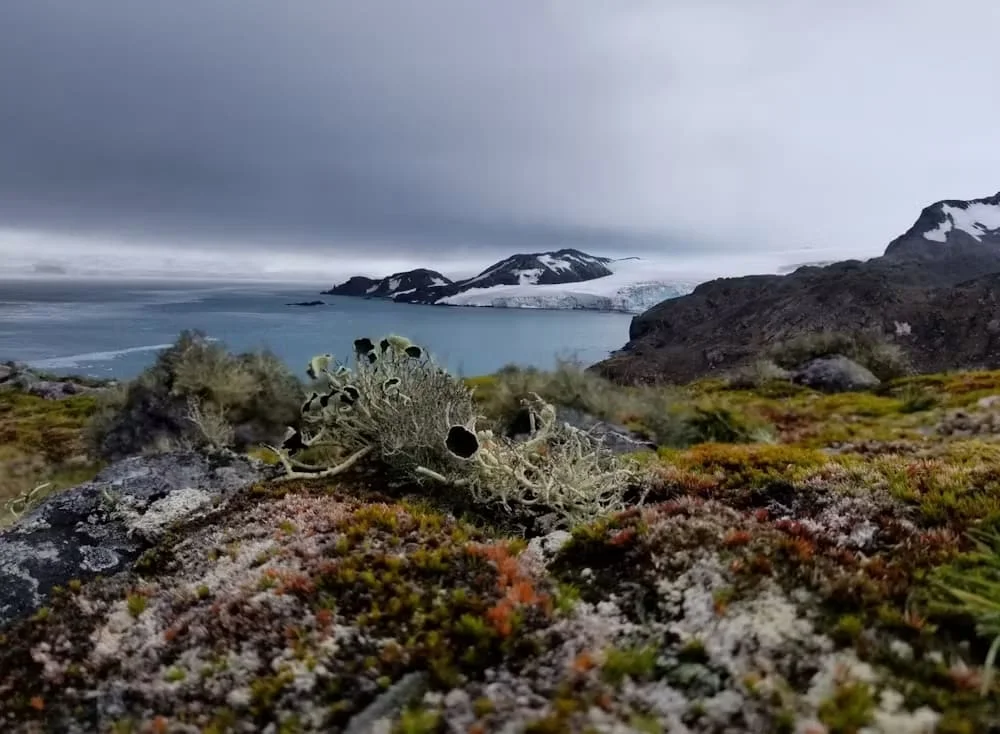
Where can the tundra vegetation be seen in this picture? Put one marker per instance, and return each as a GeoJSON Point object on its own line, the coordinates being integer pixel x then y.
{"type": "Point", "coordinates": [784, 561]}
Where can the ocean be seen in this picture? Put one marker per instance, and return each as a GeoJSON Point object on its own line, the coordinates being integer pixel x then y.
{"type": "Point", "coordinates": [115, 329]}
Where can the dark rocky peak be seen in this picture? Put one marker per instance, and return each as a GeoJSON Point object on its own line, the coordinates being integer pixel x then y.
{"type": "Point", "coordinates": [560, 266]}
{"type": "Point", "coordinates": [951, 224]}
{"type": "Point", "coordinates": [359, 285]}
{"type": "Point", "coordinates": [404, 282]}
{"type": "Point", "coordinates": [409, 281]}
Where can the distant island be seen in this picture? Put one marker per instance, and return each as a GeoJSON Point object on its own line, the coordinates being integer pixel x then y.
{"type": "Point", "coordinates": [560, 279]}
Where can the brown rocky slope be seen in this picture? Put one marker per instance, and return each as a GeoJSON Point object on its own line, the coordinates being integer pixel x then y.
{"type": "Point", "coordinates": [934, 293]}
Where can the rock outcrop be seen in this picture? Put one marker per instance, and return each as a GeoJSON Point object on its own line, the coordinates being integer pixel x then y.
{"type": "Point", "coordinates": [934, 293]}
{"type": "Point", "coordinates": [391, 286]}
{"type": "Point", "coordinates": [835, 374]}
{"type": "Point", "coordinates": [103, 526]}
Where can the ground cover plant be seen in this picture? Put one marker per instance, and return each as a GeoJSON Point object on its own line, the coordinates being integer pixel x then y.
{"type": "Point", "coordinates": [785, 561]}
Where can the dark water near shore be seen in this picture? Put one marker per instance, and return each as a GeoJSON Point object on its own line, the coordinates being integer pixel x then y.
{"type": "Point", "coordinates": [115, 329]}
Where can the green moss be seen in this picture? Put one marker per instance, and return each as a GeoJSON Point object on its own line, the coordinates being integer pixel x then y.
{"type": "Point", "coordinates": [136, 604]}
{"type": "Point", "coordinates": [174, 675]}
{"type": "Point", "coordinates": [42, 442]}
{"type": "Point", "coordinates": [848, 628]}
{"type": "Point", "coordinates": [417, 720]}
{"type": "Point", "coordinates": [265, 455]}
{"type": "Point", "coordinates": [645, 724]}
{"type": "Point", "coordinates": [567, 597]}
{"type": "Point", "coordinates": [693, 651]}
{"type": "Point", "coordinates": [849, 709]}
{"type": "Point", "coordinates": [264, 691]}
{"type": "Point", "coordinates": [634, 662]}
{"type": "Point", "coordinates": [483, 706]}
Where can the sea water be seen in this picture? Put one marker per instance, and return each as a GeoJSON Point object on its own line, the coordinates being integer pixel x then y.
{"type": "Point", "coordinates": [115, 329]}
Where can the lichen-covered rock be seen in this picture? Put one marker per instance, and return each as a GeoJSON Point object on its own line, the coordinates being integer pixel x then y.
{"type": "Point", "coordinates": [835, 374]}
{"type": "Point", "coordinates": [102, 526]}
{"type": "Point", "coordinates": [615, 438]}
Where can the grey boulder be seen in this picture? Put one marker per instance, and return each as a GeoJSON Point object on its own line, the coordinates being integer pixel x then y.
{"type": "Point", "coordinates": [103, 526]}
{"type": "Point", "coordinates": [835, 374]}
{"type": "Point", "coordinates": [615, 438]}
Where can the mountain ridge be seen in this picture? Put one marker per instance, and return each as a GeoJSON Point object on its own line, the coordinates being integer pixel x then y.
{"type": "Point", "coordinates": [558, 279]}
{"type": "Point", "coordinates": [945, 291]}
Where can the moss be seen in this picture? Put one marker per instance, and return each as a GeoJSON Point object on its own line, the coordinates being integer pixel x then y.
{"type": "Point", "coordinates": [265, 691]}
{"type": "Point", "coordinates": [417, 720]}
{"type": "Point", "coordinates": [645, 724]}
{"type": "Point", "coordinates": [264, 454]}
{"type": "Point", "coordinates": [635, 662]}
{"type": "Point", "coordinates": [849, 709]}
{"type": "Point", "coordinates": [174, 675]}
{"type": "Point", "coordinates": [136, 603]}
{"type": "Point", "coordinates": [693, 651]}
{"type": "Point", "coordinates": [42, 442]}
{"type": "Point", "coordinates": [848, 628]}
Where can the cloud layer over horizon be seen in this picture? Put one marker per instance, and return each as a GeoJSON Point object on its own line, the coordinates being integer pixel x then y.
{"type": "Point", "coordinates": [462, 130]}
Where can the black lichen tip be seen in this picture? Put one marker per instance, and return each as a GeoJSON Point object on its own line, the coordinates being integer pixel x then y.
{"type": "Point", "coordinates": [372, 357]}
{"type": "Point", "coordinates": [350, 395]}
{"type": "Point", "coordinates": [384, 344]}
{"type": "Point", "coordinates": [363, 346]}
{"type": "Point", "coordinates": [414, 351]}
{"type": "Point", "coordinates": [390, 383]}
{"type": "Point", "coordinates": [462, 442]}
{"type": "Point", "coordinates": [308, 403]}
{"type": "Point", "coordinates": [292, 441]}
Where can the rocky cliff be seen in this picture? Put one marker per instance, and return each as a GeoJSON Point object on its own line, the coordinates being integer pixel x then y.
{"type": "Point", "coordinates": [933, 292]}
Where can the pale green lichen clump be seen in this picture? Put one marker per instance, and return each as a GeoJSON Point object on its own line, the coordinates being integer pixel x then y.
{"type": "Point", "coordinates": [397, 407]}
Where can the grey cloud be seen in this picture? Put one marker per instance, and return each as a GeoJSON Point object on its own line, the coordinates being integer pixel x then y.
{"type": "Point", "coordinates": [467, 126]}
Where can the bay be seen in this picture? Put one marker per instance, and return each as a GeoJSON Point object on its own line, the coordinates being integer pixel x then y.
{"type": "Point", "coordinates": [115, 328]}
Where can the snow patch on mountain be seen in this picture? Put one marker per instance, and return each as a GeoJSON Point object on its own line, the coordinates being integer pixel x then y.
{"type": "Point", "coordinates": [633, 287]}
{"type": "Point", "coordinates": [524, 267]}
{"type": "Point", "coordinates": [976, 219]}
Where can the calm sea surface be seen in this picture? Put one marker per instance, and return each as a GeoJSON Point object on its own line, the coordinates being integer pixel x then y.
{"type": "Point", "coordinates": [116, 329]}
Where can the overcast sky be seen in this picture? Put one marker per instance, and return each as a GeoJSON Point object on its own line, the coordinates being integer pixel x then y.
{"type": "Point", "coordinates": [346, 133]}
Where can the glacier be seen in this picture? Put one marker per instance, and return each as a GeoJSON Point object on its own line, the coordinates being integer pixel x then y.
{"type": "Point", "coordinates": [630, 289]}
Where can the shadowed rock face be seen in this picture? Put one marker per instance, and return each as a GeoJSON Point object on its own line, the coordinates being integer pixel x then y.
{"type": "Point", "coordinates": [938, 280]}
{"type": "Point", "coordinates": [104, 525]}
{"type": "Point", "coordinates": [388, 287]}
{"type": "Point", "coordinates": [429, 286]}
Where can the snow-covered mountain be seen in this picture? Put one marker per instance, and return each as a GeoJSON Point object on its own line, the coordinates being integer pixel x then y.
{"type": "Point", "coordinates": [534, 269]}
{"type": "Point", "coordinates": [960, 238]}
{"type": "Point", "coordinates": [390, 286]}
{"type": "Point", "coordinates": [564, 279]}
{"type": "Point", "coordinates": [952, 223]}
{"type": "Point", "coordinates": [630, 286]}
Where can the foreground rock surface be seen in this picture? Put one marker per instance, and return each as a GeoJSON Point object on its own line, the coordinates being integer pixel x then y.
{"type": "Point", "coordinates": [310, 609]}
{"type": "Point", "coordinates": [101, 527]}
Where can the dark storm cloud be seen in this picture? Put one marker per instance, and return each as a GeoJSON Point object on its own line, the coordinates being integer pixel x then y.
{"type": "Point", "coordinates": [467, 125]}
{"type": "Point", "coordinates": [312, 120]}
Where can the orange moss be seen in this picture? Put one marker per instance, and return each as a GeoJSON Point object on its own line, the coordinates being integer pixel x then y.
{"type": "Point", "coordinates": [517, 587]}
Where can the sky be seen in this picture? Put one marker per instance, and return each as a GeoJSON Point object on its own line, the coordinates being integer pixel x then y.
{"type": "Point", "coordinates": [328, 137]}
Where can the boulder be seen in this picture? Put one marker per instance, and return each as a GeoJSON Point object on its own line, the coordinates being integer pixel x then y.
{"type": "Point", "coordinates": [616, 438]}
{"type": "Point", "coordinates": [103, 526]}
{"type": "Point", "coordinates": [835, 374]}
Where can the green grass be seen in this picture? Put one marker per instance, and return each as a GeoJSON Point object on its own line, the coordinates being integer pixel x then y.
{"type": "Point", "coordinates": [42, 442]}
